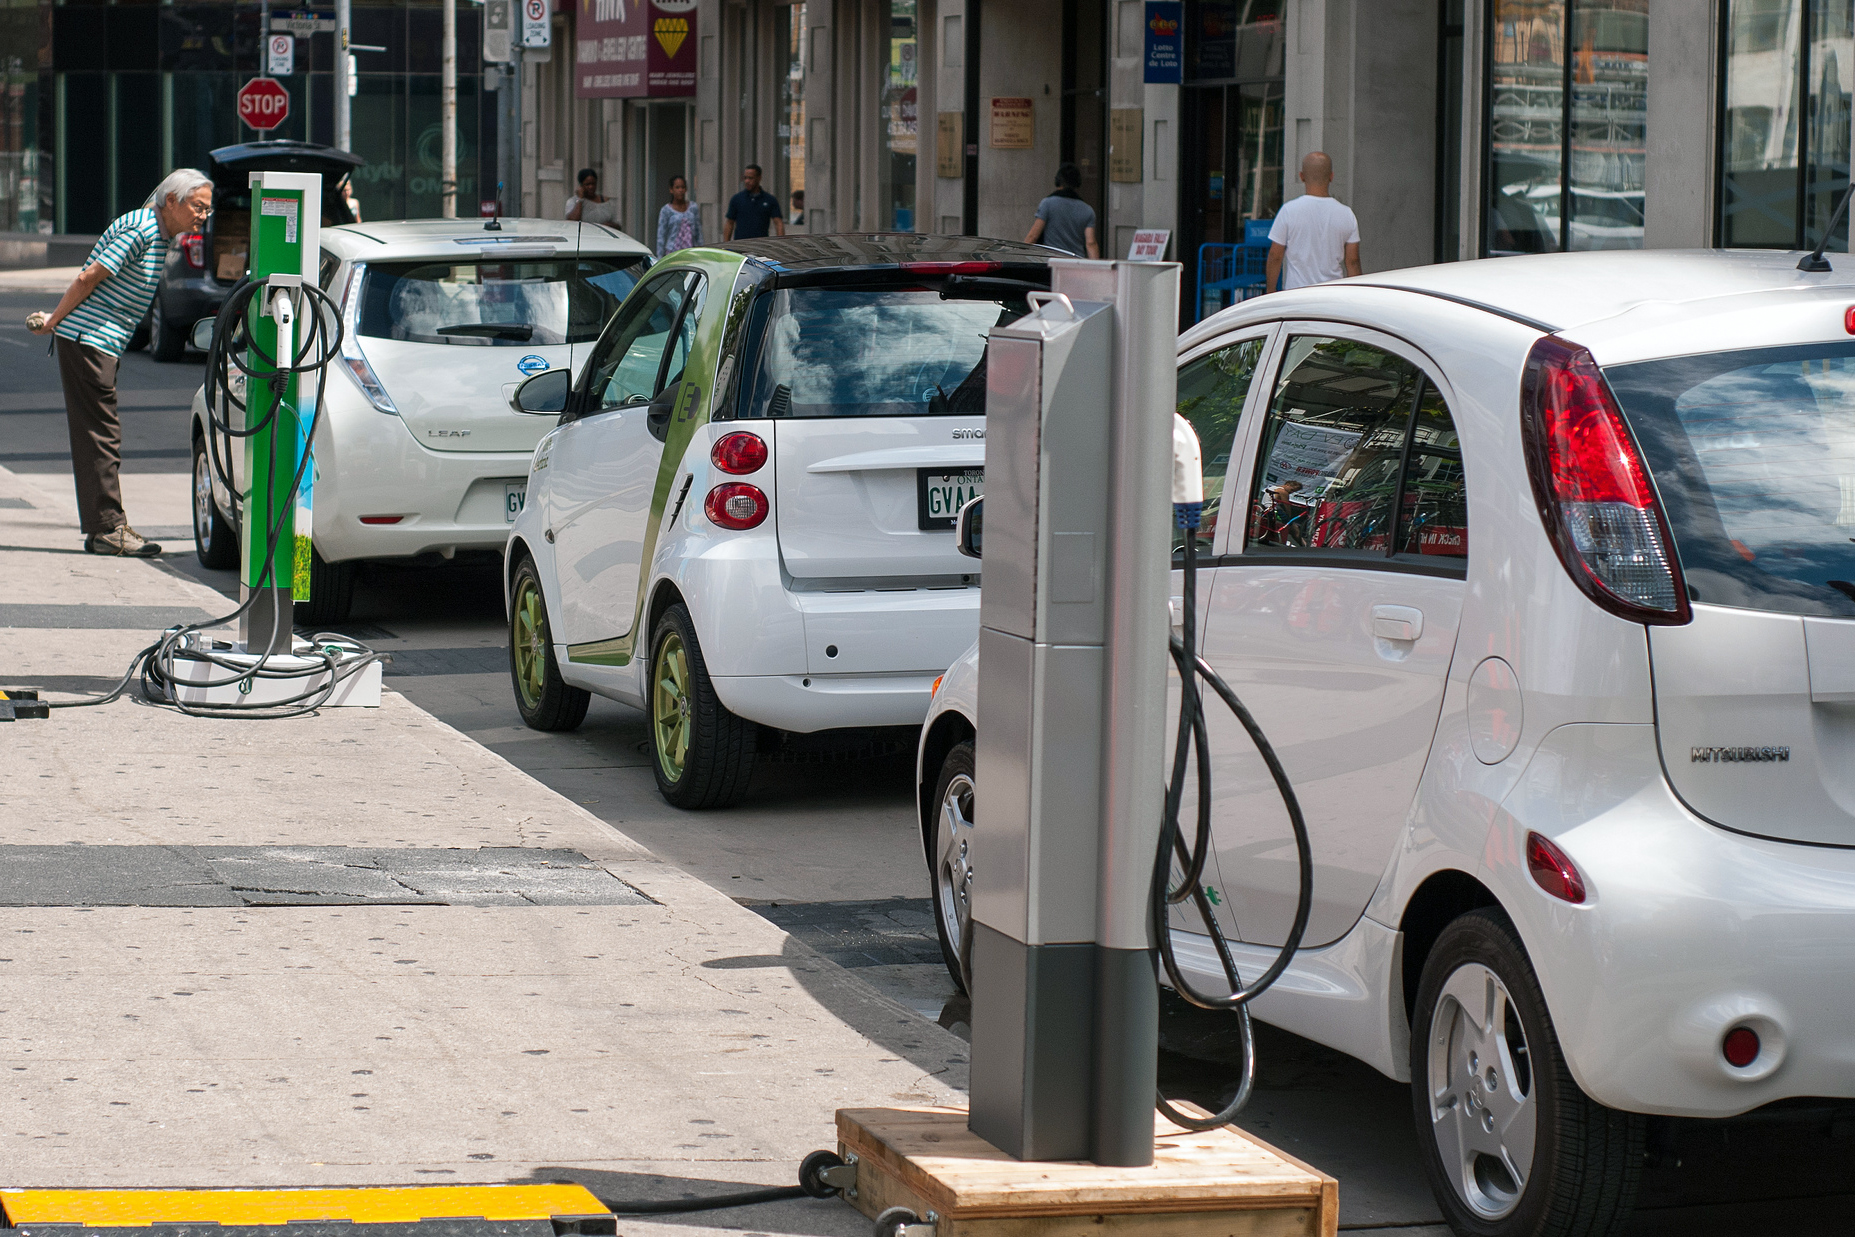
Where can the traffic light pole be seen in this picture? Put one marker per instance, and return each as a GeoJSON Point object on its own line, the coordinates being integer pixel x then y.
{"type": "Point", "coordinates": [286, 216]}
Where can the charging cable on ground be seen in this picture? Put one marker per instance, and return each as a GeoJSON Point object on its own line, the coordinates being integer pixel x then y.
{"type": "Point", "coordinates": [822, 1174]}
{"type": "Point", "coordinates": [1192, 748]}
{"type": "Point", "coordinates": [331, 659]}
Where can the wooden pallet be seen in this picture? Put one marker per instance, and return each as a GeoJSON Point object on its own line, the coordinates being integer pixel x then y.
{"type": "Point", "coordinates": [1220, 1184]}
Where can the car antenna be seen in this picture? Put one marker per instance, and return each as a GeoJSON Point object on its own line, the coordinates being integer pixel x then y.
{"type": "Point", "coordinates": [1814, 262]}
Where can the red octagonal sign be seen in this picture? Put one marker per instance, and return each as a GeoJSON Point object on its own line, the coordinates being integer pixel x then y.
{"type": "Point", "coordinates": [262, 103]}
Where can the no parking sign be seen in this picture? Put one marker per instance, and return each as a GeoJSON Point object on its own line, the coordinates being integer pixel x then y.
{"type": "Point", "coordinates": [536, 30]}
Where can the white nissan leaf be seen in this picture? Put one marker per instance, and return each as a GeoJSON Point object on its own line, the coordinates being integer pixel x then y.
{"type": "Point", "coordinates": [1539, 574]}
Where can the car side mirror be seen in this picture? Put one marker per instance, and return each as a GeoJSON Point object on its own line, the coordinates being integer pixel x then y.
{"type": "Point", "coordinates": [544, 394]}
{"type": "Point", "coordinates": [201, 337]}
{"type": "Point", "coordinates": [969, 528]}
{"type": "Point", "coordinates": [657, 416]}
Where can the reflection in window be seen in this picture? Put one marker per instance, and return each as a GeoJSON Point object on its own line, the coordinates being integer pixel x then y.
{"type": "Point", "coordinates": [1359, 455]}
{"type": "Point", "coordinates": [1790, 70]}
{"type": "Point", "coordinates": [626, 366]}
{"type": "Point", "coordinates": [1211, 394]}
{"type": "Point", "coordinates": [1568, 113]}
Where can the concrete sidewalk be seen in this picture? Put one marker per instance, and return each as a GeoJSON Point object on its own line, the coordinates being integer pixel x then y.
{"type": "Point", "coordinates": [644, 1045]}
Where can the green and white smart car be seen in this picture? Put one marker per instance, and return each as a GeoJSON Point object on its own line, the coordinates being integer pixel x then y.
{"type": "Point", "coordinates": [744, 518]}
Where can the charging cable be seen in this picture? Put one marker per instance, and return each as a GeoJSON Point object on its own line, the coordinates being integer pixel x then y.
{"type": "Point", "coordinates": [1192, 748]}
{"type": "Point", "coordinates": [333, 658]}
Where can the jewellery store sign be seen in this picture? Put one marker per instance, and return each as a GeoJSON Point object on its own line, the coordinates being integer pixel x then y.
{"type": "Point", "coordinates": [635, 49]}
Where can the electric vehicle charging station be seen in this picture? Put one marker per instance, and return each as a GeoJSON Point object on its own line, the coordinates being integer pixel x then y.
{"type": "Point", "coordinates": [1071, 748]}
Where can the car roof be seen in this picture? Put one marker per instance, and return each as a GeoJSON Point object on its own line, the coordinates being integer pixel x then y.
{"type": "Point", "coordinates": [853, 250]}
{"type": "Point", "coordinates": [422, 238]}
{"type": "Point", "coordinates": [1564, 291]}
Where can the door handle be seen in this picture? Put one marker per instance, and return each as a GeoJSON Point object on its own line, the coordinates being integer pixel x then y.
{"type": "Point", "coordinates": [1397, 622]}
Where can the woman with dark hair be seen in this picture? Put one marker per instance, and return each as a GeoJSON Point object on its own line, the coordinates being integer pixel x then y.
{"type": "Point", "coordinates": [679, 223]}
{"type": "Point", "coordinates": [1064, 221]}
{"type": "Point", "coordinates": [587, 206]}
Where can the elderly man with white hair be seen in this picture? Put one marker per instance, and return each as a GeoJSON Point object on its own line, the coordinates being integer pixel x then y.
{"type": "Point", "coordinates": [93, 322]}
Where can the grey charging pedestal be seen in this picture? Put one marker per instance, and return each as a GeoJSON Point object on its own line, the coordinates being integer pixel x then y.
{"type": "Point", "coordinates": [1072, 695]}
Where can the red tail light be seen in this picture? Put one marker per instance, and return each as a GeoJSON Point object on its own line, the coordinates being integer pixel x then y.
{"type": "Point", "coordinates": [736, 505]}
{"type": "Point", "coordinates": [953, 268]}
{"type": "Point", "coordinates": [194, 246]}
{"type": "Point", "coordinates": [1593, 489]}
{"type": "Point", "coordinates": [739, 453]}
{"type": "Point", "coordinates": [1553, 869]}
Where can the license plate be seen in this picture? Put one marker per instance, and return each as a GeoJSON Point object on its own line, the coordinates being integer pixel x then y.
{"type": "Point", "coordinates": [514, 494]}
{"type": "Point", "coordinates": [942, 494]}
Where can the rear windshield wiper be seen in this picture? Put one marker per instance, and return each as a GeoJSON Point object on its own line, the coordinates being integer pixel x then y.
{"type": "Point", "coordinates": [987, 288]}
{"type": "Point", "coordinates": [520, 332]}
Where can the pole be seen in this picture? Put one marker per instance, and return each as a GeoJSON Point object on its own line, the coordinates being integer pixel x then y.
{"type": "Point", "coordinates": [344, 14]}
{"type": "Point", "coordinates": [448, 185]}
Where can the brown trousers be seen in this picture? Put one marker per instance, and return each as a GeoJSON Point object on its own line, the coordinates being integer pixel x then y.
{"type": "Point", "coordinates": [89, 376]}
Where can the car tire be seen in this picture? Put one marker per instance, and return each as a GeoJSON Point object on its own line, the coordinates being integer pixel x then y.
{"type": "Point", "coordinates": [543, 699]}
{"type": "Point", "coordinates": [950, 843]}
{"type": "Point", "coordinates": [1490, 1088]}
{"type": "Point", "coordinates": [702, 754]}
{"type": "Point", "coordinates": [331, 592]}
{"type": "Point", "coordinates": [165, 340]}
{"type": "Point", "coordinates": [214, 538]}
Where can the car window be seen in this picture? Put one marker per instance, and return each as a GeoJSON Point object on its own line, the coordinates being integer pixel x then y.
{"type": "Point", "coordinates": [514, 303]}
{"type": "Point", "coordinates": [1359, 457]}
{"type": "Point", "coordinates": [677, 359]}
{"type": "Point", "coordinates": [1212, 389]}
{"type": "Point", "coordinates": [625, 368]}
{"type": "Point", "coordinates": [330, 264]}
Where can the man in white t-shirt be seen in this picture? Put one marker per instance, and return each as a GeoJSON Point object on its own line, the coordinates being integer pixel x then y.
{"type": "Point", "coordinates": [1314, 237]}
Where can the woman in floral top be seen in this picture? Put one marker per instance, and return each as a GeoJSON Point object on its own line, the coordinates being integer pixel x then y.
{"type": "Point", "coordinates": [679, 223]}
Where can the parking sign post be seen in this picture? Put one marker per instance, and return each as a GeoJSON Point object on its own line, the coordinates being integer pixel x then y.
{"type": "Point", "coordinates": [286, 216]}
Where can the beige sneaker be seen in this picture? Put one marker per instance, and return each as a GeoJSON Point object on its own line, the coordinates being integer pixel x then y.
{"type": "Point", "coordinates": [122, 542]}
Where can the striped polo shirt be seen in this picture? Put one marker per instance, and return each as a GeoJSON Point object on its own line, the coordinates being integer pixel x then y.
{"type": "Point", "coordinates": [132, 250]}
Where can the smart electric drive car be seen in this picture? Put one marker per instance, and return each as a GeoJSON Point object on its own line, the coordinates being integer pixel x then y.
{"type": "Point", "coordinates": [744, 518]}
{"type": "Point", "coordinates": [1539, 573]}
{"type": "Point", "coordinates": [418, 452]}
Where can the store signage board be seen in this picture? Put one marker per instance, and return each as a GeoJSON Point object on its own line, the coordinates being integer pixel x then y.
{"type": "Point", "coordinates": [947, 145]}
{"type": "Point", "coordinates": [280, 57]}
{"type": "Point", "coordinates": [1014, 124]}
{"type": "Point", "coordinates": [302, 24]}
{"type": "Point", "coordinates": [537, 29]}
{"type": "Point", "coordinates": [1165, 42]}
{"type": "Point", "coordinates": [498, 32]}
{"type": "Point", "coordinates": [1125, 153]}
{"type": "Point", "coordinates": [635, 49]}
{"type": "Point", "coordinates": [1149, 245]}
{"type": "Point", "coordinates": [263, 104]}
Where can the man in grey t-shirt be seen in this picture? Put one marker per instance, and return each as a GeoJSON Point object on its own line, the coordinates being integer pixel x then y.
{"type": "Point", "coordinates": [1064, 221]}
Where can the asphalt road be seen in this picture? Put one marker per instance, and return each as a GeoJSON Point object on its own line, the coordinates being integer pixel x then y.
{"type": "Point", "coordinates": [830, 851]}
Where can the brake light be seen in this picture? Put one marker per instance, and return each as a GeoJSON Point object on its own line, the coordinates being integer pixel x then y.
{"type": "Point", "coordinates": [1593, 489]}
{"type": "Point", "coordinates": [1553, 869]}
{"type": "Point", "coordinates": [736, 505]}
{"type": "Point", "coordinates": [953, 268]}
{"type": "Point", "coordinates": [194, 246]}
{"type": "Point", "coordinates": [739, 453]}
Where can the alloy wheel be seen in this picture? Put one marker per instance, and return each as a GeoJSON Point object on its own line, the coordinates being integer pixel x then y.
{"type": "Point", "coordinates": [1483, 1109]}
{"type": "Point", "coordinates": [671, 722]}
{"type": "Point", "coordinates": [953, 866]}
{"type": "Point", "coordinates": [528, 642]}
{"type": "Point", "coordinates": [203, 499]}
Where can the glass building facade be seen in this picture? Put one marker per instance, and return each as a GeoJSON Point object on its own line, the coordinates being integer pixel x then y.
{"type": "Point", "coordinates": [101, 100]}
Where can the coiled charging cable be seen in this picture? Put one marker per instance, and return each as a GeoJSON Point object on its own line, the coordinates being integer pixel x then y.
{"type": "Point", "coordinates": [1191, 747]}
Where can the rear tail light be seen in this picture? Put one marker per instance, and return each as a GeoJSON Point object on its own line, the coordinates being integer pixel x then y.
{"type": "Point", "coordinates": [1553, 870]}
{"type": "Point", "coordinates": [953, 268]}
{"type": "Point", "coordinates": [739, 453]}
{"type": "Point", "coordinates": [351, 354]}
{"type": "Point", "coordinates": [194, 246]}
{"type": "Point", "coordinates": [736, 505]}
{"type": "Point", "coordinates": [1593, 489]}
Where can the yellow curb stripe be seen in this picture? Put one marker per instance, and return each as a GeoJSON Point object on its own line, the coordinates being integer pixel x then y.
{"type": "Point", "coordinates": [387, 1205]}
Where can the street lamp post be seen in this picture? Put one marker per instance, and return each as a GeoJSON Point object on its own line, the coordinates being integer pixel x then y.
{"type": "Point", "coordinates": [448, 185]}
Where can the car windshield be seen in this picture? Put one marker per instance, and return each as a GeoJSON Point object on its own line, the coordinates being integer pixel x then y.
{"type": "Point", "coordinates": [827, 352]}
{"type": "Point", "coordinates": [509, 304]}
{"type": "Point", "coordinates": [1753, 454]}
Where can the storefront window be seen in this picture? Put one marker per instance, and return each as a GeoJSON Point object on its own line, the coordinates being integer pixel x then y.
{"type": "Point", "coordinates": [900, 120]}
{"type": "Point", "coordinates": [1790, 66]}
{"type": "Point", "coordinates": [1567, 124]}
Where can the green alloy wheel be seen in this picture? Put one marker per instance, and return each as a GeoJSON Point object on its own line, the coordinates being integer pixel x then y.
{"type": "Point", "coordinates": [544, 700]}
{"type": "Point", "coordinates": [704, 753]}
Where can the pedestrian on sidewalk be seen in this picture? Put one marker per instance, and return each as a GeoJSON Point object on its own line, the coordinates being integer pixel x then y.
{"type": "Point", "coordinates": [752, 210]}
{"type": "Point", "coordinates": [1315, 237]}
{"type": "Point", "coordinates": [798, 208]}
{"type": "Point", "coordinates": [586, 206]}
{"type": "Point", "coordinates": [93, 322]}
{"type": "Point", "coordinates": [679, 223]}
{"type": "Point", "coordinates": [1064, 221]}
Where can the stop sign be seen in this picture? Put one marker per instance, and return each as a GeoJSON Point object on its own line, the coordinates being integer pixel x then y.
{"type": "Point", "coordinates": [262, 103]}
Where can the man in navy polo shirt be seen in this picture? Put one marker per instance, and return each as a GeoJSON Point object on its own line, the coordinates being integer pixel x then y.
{"type": "Point", "coordinates": [751, 210]}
